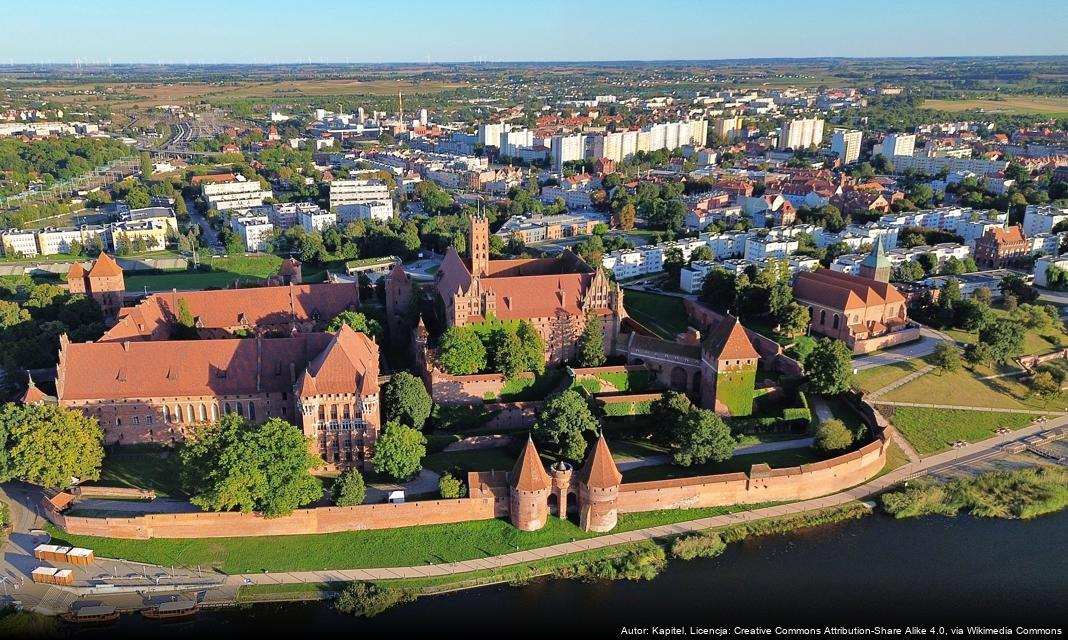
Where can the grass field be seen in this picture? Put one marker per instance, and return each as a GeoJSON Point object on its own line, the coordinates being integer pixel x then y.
{"type": "Point", "coordinates": [141, 467]}
{"type": "Point", "coordinates": [777, 459]}
{"type": "Point", "coordinates": [665, 315]}
{"type": "Point", "coordinates": [1057, 106]}
{"type": "Point", "coordinates": [878, 377]}
{"type": "Point", "coordinates": [408, 546]}
{"type": "Point", "coordinates": [963, 388]}
{"type": "Point", "coordinates": [252, 268]}
{"type": "Point", "coordinates": [934, 430]}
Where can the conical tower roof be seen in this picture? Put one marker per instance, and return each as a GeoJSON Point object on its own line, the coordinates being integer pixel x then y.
{"type": "Point", "coordinates": [105, 267]}
{"type": "Point", "coordinates": [600, 471]}
{"type": "Point", "coordinates": [529, 473]}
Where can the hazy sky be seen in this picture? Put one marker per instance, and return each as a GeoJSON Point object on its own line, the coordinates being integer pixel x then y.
{"type": "Point", "coordinates": [201, 31]}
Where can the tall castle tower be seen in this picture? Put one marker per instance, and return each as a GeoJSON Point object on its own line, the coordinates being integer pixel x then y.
{"type": "Point", "coordinates": [598, 485]}
{"type": "Point", "coordinates": [876, 266]}
{"type": "Point", "coordinates": [103, 282]}
{"type": "Point", "coordinates": [528, 491]}
{"type": "Point", "coordinates": [478, 243]}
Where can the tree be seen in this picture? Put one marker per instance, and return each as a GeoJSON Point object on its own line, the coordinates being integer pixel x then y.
{"type": "Point", "coordinates": [1005, 338]}
{"type": "Point", "coordinates": [972, 315]}
{"type": "Point", "coordinates": [1044, 384]}
{"type": "Point", "coordinates": [671, 407]}
{"type": "Point", "coordinates": [399, 451]}
{"type": "Point", "coordinates": [720, 289]}
{"type": "Point", "coordinates": [405, 400]}
{"type": "Point", "coordinates": [673, 263]}
{"type": "Point", "coordinates": [250, 467]}
{"type": "Point", "coordinates": [590, 347]}
{"type": "Point", "coordinates": [983, 295]}
{"type": "Point", "coordinates": [461, 351]}
{"type": "Point", "coordinates": [563, 423]}
{"type": "Point", "coordinates": [833, 435]}
{"type": "Point", "coordinates": [533, 347]}
{"type": "Point", "coordinates": [349, 489]}
{"type": "Point", "coordinates": [946, 357]}
{"type": "Point", "coordinates": [357, 322]}
{"type": "Point", "coordinates": [49, 445]}
{"type": "Point", "coordinates": [186, 328]}
{"type": "Point", "coordinates": [795, 319]}
{"type": "Point", "coordinates": [507, 352]}
{"type": "Point", "coordinates": [949, 296]}
{"type": "Point", "coordinates": [626, 217]}
{"type": "Point", "coordinates": [829, 366]}
{"type": "Point", "coordinates": [451, 487]}
{"type": "Point", "coordinates": [700, 437]}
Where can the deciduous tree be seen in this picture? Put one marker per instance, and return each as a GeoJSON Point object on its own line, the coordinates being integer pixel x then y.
{"type": "Point", "coordinates": [405, 400]}
{"type": "Point", "coordinates": [833, 435]}
{"type": "Point", "coordinates": [829, 368]}
{"type": "Point", "coordinates": [399, 451]}
{"type": "Point", "coordinates": [461, 351]}
{"type": "Point", "coordinates": [358, 322]}
{"type": "Point", "coordinates": [49, 445]}
{"type": "Point", "coordinates": [349, 489]}
{"type": "Point", "coordinates": [700, 437]}
{"type": "Point", "coordinates": [590, 347]}
{"type": "Point", "coordinates": [563, 423]}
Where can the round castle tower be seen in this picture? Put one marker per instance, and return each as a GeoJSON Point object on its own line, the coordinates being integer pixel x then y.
{"type": "Point", "coordinates": [528, 491]}
{"type": "Point", "coordinates": [598, 483]}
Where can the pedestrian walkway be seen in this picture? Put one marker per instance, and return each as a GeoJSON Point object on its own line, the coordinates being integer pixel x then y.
{"type": "Point", "coordinates": [900, 383]}
{"type": "Point", "coordinates": [936, 463]}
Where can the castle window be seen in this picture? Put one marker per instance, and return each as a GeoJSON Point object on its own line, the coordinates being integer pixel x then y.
{"type": "Point", "coordinates": [149, 420]}
{"type": "Point", "coordinates": [177, 413]}
{"type": "Point", "coordinates": [251, 411]}
{"type": "Point", "coordinates": [203, 413]}
{"type": "Point", "coordinates": [137, 420]}
{"type": "Point", "coordinates": [118, 422]}
{"type": "Point", "coordinates": [240, 409]}
{"type": "Point", "coordinates": [226, 408]}
{"type": "Point", "coordinates": [823, 316]}
{"type": "Point", "coordinates": [834, 325]}
{"type": "Point", "coordinates": [214, 411]}
{"type": "Point", "coordinates": [166, 416]}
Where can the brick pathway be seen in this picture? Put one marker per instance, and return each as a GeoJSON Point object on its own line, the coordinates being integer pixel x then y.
{"type": "Point", "coordinates": [942, 461]}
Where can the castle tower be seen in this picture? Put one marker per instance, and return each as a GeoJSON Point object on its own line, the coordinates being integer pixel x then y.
{"type": "Point", "coordinates": [561, 475]}
{"type": "Point", "coordinates": [479, 245]}
{"type": "Point", "coordinates": [876, 266]}
{"type": "Point", "coordinates": [599, 482]}
{"type": "Point", "coordinates": [528, 490]}
{"type": "Point", "coordinates": [103, 282]}
{"type": "Point", "coordinates": [398, 304]}
{"type": "Point", "coordinates": [728, 369]}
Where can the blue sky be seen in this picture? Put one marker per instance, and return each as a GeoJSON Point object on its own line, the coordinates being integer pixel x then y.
{"type": "Point", "coordinates": [218, 31]}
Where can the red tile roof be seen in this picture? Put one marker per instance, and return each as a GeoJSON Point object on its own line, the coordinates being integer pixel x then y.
{"type": "Point", "coordinates": [600, 471]}
{"type": "Point", "coordinates": [729, 341]}
{"type": "Point", "coordinates": [152, 369]}
{"type": "Point", "coordinates": [839, 290]}
{"type": "Point", "coordinates": [349, 362]}
{"type": "Point", "coordinates": [105, 267]}
{"type": "Point", "coordinates": [215, 177]}
{"type": "Point", "coordinates": [529, 473]}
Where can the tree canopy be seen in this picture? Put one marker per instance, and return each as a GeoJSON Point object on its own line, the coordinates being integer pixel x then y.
{"type": "Point", "coordinates": [405, 400]}
{"type": "Point", "coordinates": [829, 367]}
{"type": "Point", "coordinates": [399, 451]}
{"type": "Point", "coordinates": [49, 445]}
{"type": "Point", "coordinates": [358, 322]}
{"type": "Point", "coordinates": [461, 351]}
{"type": "Point", "coordinates": [563, 423]}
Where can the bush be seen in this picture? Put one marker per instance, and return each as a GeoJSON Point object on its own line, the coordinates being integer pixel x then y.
{"type": "Point", "coordinates": [1019, 493]}
{"type": "Point", "coordinates": [791, 523]}
{"type": "Point", "coordinates": [367, 600]}
{"type": "Point", "coordinates": [643, 563]}
{"type": "Point", "coordinates": [833, 435]}
{"type": "Point", "coordinates": [698, 545]}
{"type": "Point", "coordinates": [451, 487]}
{"type": "Point", "coordinates": [349, 489]}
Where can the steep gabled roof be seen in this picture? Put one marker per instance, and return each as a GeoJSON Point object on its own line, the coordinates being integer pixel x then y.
{"type": "Point", "coordinates": [348, 363]}
{"type": "Point", "coordinates": [728, 340]}
{"type": "Point", "coordinates": [105, 267]}
{"type": "Point", "coordinates": [839, 290]}
{"type": "Point", "coordinates": [76, 271]}
{"type": "Point", "coordinates": [600, 471]}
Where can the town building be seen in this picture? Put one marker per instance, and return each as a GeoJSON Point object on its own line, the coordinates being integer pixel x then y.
{"type": "Point", "coordinates": [800, 134]}
{"type": "Point", "coordinates": [556, 295]}
{"type": "Point", "coordinates": [897, 144]}
{"type": "Point", "coordinates": [380, 210]}
{"type": "Point", "coordinates": [345, 194]}
{"type": "Point", "coordinates": [1000, 247]}
{"type": "Point", "coordinates": [256, 232]}
{"type": "Point", "coordinates": [845, 143]}
{"type": "Point", "coordinates": [17, 243]}
{"type": "Point", "coordinates": [1042, 219]}
{"type": "Point", "coordinates": [316, 220]}
{"type": "Point", "coordinates": [230, 191]}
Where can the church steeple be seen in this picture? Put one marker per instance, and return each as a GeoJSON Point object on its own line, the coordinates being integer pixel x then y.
{"type": "Point", "coordinates": [876, 266]}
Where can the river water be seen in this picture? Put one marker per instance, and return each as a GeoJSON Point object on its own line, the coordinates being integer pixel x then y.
{"type": "Point", "coordinates": [873, 571]}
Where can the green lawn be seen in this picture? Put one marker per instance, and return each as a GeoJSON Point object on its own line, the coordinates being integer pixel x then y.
{"type": "Point", "coordinates": [841, 410]}
{"type": "Point", "coordinates": [1034, 341]}
{"type": "Point", "coordinates": [895, 457]}
{"type": "Point", "coordinates": [498, 458]}
{"type": "Point", "coordinates": [934, 430]}
{"type": "Point", "coordinates": [784, 458]}
{"type": "Point", "coordinates": [878, 377]}
{"type": "Point", "coordinates": [408, 546]}
{"type": "Point", "coordinates": [252, 268]}
{"type": "Point", "coordinates": [964, 388]}
{"type": "Point", "coordinates": [664, 315]}
{"type": "Point", "coordinates": [141, 467]}
{"type": "Point", "coordinates": [532, 388]}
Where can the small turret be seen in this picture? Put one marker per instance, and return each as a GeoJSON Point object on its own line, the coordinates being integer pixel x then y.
{"type": "Point", "coordinates": [561, 475]}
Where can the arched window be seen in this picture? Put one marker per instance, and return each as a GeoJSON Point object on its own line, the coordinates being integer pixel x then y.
{"type": "Point", "coordinates": [189, 414]}
{"type": "Point", "coordinates": [251, 411]}
{"type": "Point", "coordinates": [240, 409]}
{"type": "Point", "coordinates": [166, 414]}
{"type": "Point", "coordinates": [177, 413]}
{"type": "Point", "coordinates": [203, 413]}
{"type": "Point", "coordinates": [823, 316]}
{"type": "Point", "coordinates": [834, 325]}
{"type": "Point", "coordinates": [214, 412]}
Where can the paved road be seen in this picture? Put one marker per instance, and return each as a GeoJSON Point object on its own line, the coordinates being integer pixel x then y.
{"type": "Point", "coordinates": [933, 464]}
{"type": "Point", "coordinates": [924, 346]}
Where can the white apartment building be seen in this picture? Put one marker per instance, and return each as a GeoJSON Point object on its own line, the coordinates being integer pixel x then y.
{"type": "Point", "coordinates": [1042, 218]}
{"type": "Point", "coordinates": [53, 241]}
{"type": "Point", "coordinates": [316, 220]}
{"type": "Point", "coordinates": [239, 194]}
{"type": "Point", "coordinates": [801, 133]}
{"type": "Point", "coordinates": [846, 144]}
{"type": "Point", "coordinates": [759, 248]}
{"type": "Point", "coordinates": [489, 135]}
{"type": "Point", "coordinates": [285, 214]}
{"type": "Point", "coordinates": [567, 148]}
{"type": "Point", "coordinates": [898, 144]}
{"type": "Point", "coordinates": [1047, 243]}
{"type": "Point", "coordinates": [692, 278]}
{"type": "Point", "coordinates": [511, 142]}
{"type": "Point", "coordinates": [574, 196]}
{"type": "Point", "coordinates": [1042, 266]}
{"type": "Point", "coordinates": [345, 194]}
{"type": "Point", "coordinates": [381, 210]}
{"type": "Point", "coordinates": [255, 231]}
{"type": "Point", "coordinates": [932, 166]}
{"type": "Point", "coordinates": [18, 243]}
{"type": "Point", "coordinates": [728, 127]}
{"type": "Point", "coordinates": [730, 244]}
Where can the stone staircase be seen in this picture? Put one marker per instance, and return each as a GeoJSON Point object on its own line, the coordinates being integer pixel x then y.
{"type": "Point", "coordinates": [56, 600]}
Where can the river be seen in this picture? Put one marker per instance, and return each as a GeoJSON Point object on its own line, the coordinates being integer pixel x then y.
{"type": "Point", "coordinates": [873, 571]}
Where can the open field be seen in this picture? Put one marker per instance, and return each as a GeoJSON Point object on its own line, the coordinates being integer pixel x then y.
{"type": "Point", "coordinates": [664, 315]}
{"type": "Point", "coordinates": [964, 389]}
{"type": "Point", "coordinates": [142, 467]}
{"type": "Point", "coordinates": [934, 430]}
{"type": "Point", "coordinates": [1054, 106]}
{"type": "Point", "coordinates": [878, 377]}
{"type": "Point", "coordinates": [140, 94]}
{"type": "Point", "coordinates": [226, 270]}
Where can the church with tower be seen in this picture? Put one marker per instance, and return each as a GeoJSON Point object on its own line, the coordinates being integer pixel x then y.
{"type": "Point", "coordinates": [556, 295]}
{"type": "Point", "coordinates": [865, 311]}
